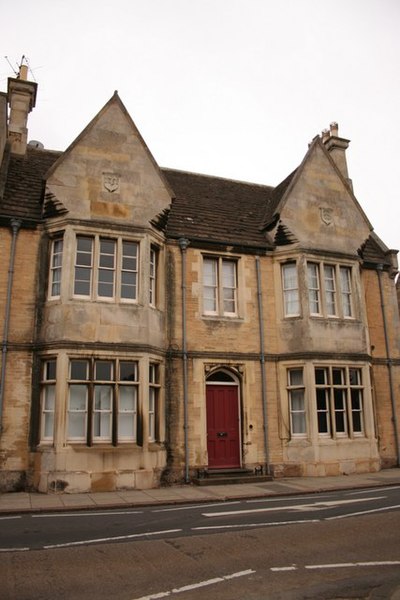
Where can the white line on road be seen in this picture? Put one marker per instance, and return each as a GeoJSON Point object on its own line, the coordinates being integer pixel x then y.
{"type": "Point", "coordinates": [193, 507]}
{"type": "Point", "coordinates": [377, 563]}
{"type": "Point", "coordinates": [10, 517]}
{"type": "Point", "coordinates": [257, 524]}
{"type": "Point", "coordinates": [14, 549]}
{"type": "Point", "coordinates": [279, 499]}
{"type": "Point", "coordinates": [368, 491]}
{"type": "Point", "coordinates": [363, 512]}
{"type": "Point", "coordinates": [88, 514]}
{"type": "Point", "coordinates": [111, 539]}
{"type": "Point", "coordinates": [195, 586]}
{"type": "Point", "coordinates": [297, 507]}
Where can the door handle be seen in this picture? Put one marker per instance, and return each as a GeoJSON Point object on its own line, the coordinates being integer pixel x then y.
{"type": "Point", "coordinates": [222, 433]}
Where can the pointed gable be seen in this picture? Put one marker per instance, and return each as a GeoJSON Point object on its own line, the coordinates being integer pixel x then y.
{"type": "Point", "coordinates": [318, 206]}
{"type": "Point", "coordinates": [108, 173]}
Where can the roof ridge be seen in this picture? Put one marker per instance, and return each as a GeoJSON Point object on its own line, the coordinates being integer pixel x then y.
{"type": "Point", "coordinates": [219, 177]}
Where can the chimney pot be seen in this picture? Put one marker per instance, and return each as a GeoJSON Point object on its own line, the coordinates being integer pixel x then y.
{"type": "Point", "coordinates": [334, 127]}
{"type": "Point", "coordinates": [23, 72]}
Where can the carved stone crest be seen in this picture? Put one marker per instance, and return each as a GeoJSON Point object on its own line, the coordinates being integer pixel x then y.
{"type": "Point", "coordinates": [326, 215]}
{"type": "Point", "coordinates": [111, 182]}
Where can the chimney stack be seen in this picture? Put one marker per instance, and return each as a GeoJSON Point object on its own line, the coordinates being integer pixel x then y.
{"type": "Point", "coordinates": [337, 147]}
{"type": "Point", "coordinates": [21, 95]}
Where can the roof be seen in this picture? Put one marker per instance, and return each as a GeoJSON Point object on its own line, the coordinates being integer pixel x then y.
{"type": "Point", "coordinates": [204, 208]}
{"type": "Point", "coordinates": [213, 209]}
{"type": "Point", "coordinates": [24, 183]}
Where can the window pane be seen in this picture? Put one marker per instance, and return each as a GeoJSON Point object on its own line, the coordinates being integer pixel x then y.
{"type": "Point", "coordinates": [79, 369]}
{"type": "Point", "coordinates": [338, 376]}
{"type": "Point", "coordinates": [78, 397]}
{"type": "Point", "coordinates": [296, 377]}
{"type": "Point", "coordinates": [102, 397]}
{"type": "Point", "coordinates": [127, 371]}
{"type": "Point", "coordinates": [106, 271]}
{"type": "Point", "coordinates": [320, 376]}
{"type": "Point", "coordinates": [103, 370]}
{"type": "Point", "coordinates": [50, 369]}
{"type": "Point", "coordinates": [77, 425]}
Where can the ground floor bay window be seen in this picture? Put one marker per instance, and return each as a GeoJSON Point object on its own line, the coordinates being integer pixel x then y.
{"type": "Point", "coordinates": [88, 400]}
{"type": "Point", "coordinates": [328, 424]}
{"type": "Point", "coordinates": [328, 400]}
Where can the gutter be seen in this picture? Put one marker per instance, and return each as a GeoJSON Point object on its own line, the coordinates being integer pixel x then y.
{"type": "Point", "coordinates": [183, 244]}
{"type": "Point", "coordinates": [389, 362]}
{"type": "Point", "coordinates": [262, 363]}
{"type": "Point", "coordinates": [15, 227]}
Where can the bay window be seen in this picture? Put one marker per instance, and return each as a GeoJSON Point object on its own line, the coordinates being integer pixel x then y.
{"type": "Point", "coordinates": [102, 401]}
{"type": "Point", "coordinates": [329, 290]}
{"type": "Point", "coordinates": [106, 268]}
{"type": "Point", "coordinates": [339, 401]}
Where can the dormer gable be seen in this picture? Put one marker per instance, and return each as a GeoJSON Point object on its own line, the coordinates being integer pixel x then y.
{"type": "Point", "coordinates": [108, 173]}
{"type": "Point", "coordinates": [318, 206]}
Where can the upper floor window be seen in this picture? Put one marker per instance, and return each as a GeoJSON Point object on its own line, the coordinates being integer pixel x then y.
{"type": "Point", "coordinates": [106, 268]}
{"type": "Point", "coordinates": [56, 255]}
{"type": "Point", "coordinates": [219, 286]}
{"type": "Point", "coordinates": [153, 276]}
{"type": "Point", "coordinates": [329, 290]}
{"type": "Point", "coordinates": [290, 288]}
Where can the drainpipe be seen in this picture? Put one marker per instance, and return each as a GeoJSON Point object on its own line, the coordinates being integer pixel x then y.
{"type": "Point", "coordinates": [15, 226]}
{"type": "Point", "coordinates": [183, 244]}
{"type": "Point", "coordinates": [262, 362]}
{"type": "Point", "coordinates": [379, 269]}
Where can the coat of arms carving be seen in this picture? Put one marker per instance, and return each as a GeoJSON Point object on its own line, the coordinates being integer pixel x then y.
{"type": "Point", "coordinates": [111, 182]}
{"type": "Point", "coordinates": [326, 215]}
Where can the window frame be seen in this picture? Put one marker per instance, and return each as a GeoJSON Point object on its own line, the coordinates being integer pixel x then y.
{"type": "Point", "coordinates": [154, 402]}
{"type": "Point", "coordinates": [93, 415]}
{"type": "Point", "coordinates": [342, 298]}
{"type": "Point", "coordinates": [47, 383]}
{"type": "Point", "coordinates": [123, 271]}
{"type": "Point", "coordinates": [153, 275]}
{"type": "Point", "coordinates": [55, 267]}
{"type": "Point", "coordinates": [288, 290]}
{"type": "Point", "coordinates": [339, 401]}
{"type": "Point", "coordinates": [293, 391]}
{"type": "Point", "coordinates": [219, 288]}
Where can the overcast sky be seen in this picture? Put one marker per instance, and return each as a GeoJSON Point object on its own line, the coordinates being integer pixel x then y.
{"type": "Point", "coordinates": [234, 88]}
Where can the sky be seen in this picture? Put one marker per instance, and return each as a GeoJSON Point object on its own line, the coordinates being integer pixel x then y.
{"type": "Point", "coordinates": [232, 88]}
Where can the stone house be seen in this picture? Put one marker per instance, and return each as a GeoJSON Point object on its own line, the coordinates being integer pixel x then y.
{"type": "Point", "coordinates": [159, 325]}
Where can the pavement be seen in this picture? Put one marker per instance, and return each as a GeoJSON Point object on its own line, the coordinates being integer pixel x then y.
{"type": "Point", "coordinates": [29, 502]}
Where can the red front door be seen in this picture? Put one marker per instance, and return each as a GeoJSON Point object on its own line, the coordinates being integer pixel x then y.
{"type": "Point", "coordinates": [223, 426]}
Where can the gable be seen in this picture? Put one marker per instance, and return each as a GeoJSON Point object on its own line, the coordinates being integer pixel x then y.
{"type": "Point", "coordinates": [108, 173]}
{"type": "Point", "coordinates": [319, 207]}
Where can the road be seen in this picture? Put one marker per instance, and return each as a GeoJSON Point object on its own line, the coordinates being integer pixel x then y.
{"type": "Point", "coordinates": [330, 545]}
